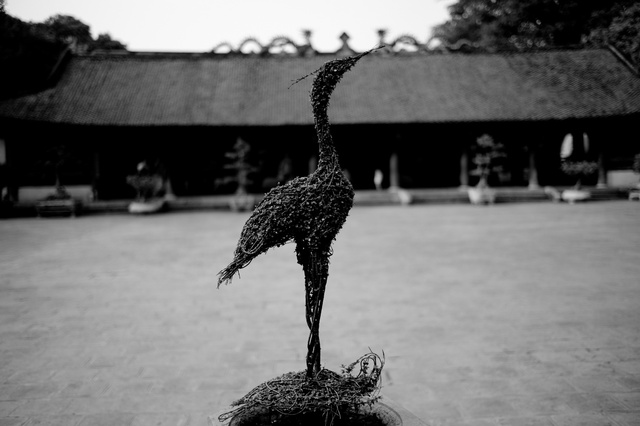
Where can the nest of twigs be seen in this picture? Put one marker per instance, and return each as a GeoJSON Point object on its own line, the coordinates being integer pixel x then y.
{"type": "Point", "coordinates": [328, 395]}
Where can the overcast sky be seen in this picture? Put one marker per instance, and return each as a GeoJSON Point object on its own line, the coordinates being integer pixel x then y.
{"type": "Point", "coordinates": [199, 25]}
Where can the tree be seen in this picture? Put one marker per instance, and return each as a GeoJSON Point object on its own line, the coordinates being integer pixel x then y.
{"type": "Point", "coordinates": [105, 42]}
{"type": "Point", "coordinates": [72, 31]}
{"type": "Point", "coordinates": [28, 54]}
{"type": "Point", "coordinates": [623, 32]}
{"type": "Point", "coordinates": [67, 28]}
{"type": "Point", "coordinates": [528, 24]}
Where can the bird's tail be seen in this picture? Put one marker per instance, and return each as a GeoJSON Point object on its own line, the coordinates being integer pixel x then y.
{"type": "Point", "coordinates": [226, 275]}
{"type": "Point", "coordinates": [248, 248]}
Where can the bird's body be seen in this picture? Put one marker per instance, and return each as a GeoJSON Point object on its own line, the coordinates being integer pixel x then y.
{"type": "Point", "coordinates": [323, 196]}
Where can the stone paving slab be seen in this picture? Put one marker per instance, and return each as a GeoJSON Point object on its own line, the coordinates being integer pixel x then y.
{"type": "Point", "coordinates": [513, 314]}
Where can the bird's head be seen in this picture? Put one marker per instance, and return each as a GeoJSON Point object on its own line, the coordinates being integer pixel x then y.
{"type": "Point", "coordinates": [329, 74]}
{"type": "Point", "coordinates": [338, 67]}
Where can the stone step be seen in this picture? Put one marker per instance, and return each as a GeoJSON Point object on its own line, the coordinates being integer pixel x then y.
{"type": "Point", "coordinates": [362, 198]}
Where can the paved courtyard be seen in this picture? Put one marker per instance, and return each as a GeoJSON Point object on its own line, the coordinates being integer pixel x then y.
{"type": "Point", "coordinates": [514, 314]}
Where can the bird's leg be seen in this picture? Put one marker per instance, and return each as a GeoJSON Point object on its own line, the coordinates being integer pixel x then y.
{"type": "Point", "coordinates": [315, 264]}
{"type": "Point", "coordinates": [315, 284]}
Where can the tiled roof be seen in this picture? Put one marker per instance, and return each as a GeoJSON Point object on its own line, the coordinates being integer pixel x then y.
{"type": "Point", "coordinates": [216, 90]}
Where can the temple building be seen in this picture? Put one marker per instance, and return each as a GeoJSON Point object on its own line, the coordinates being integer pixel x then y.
{"type": "Point", "coordinates": [406, 116]}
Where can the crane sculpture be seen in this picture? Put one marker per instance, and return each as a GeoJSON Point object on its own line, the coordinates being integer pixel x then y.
{"type": "Point", "coordinates": [308, 210]}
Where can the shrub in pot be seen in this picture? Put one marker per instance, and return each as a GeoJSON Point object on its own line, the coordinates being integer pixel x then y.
{"type": "Point", "coordinates": [574, 163]}
{"type": "Point", "coordinates": [486, 155]}
{"type": "Point", "coordinates": [242, 168]}
{"type": "Point", "coordinates": [148, 185]}
{"type": "Point", "coordinates": [59, 202]}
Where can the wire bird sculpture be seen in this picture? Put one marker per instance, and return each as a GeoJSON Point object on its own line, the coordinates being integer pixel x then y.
{"type": "Point", "coordinates": [308, 210]}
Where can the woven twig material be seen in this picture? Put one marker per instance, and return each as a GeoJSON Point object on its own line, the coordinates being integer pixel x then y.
{"type": "Point", "coordinates": [327, 394]}
{"type": "Point", "coordinates": [310, 211]}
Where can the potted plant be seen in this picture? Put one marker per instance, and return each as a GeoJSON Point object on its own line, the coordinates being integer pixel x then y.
{"type": "Point", "coordinates": [242, 168]}
{"type": "Point", "coordinates": [486, 152]}
{"type": "Point", "coordinates": [310, 211]}
{"type": "Point", "coordinates": [148, 184]}
{"type": "Point", "coordinates": [574, 163]}
{"type": "Point", "coordinates": [59, 202]}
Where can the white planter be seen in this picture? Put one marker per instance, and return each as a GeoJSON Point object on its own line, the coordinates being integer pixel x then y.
{"type": "Point", "coordinates": [483, 195]}
{"type": "Point", "coordinates": [37, 193]}
{"type": "Point", "coordinates": [572, 196]}
{"type": "Point", "coordinates": [146, 207]}
{"type": "Point", "coordinates": [242, 202]}
{"type": "Point", "coordinates": [67, 207]}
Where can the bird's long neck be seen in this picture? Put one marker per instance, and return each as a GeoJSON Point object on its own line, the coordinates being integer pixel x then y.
{"type": "Point", "coordinates": [328, 156]}
{"type": "Point", "coordinates": [320, 95]}
{"type": "Point", "coordinates": [324, 83]}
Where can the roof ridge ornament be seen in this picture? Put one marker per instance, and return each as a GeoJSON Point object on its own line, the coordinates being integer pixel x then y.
{"type": "Point", "coordinates": [307, 48]}
{"type": "Point", "coordinates": [407, 40]}
{"type": "Point", "coordinates": [282, 45]}
{"type": "Point", "coordinates": [382, 33]}
{"type": "Point", "coordinates": [249, 40]}
{"type": "Point", "coordinates": [345, 49]}
{"type": "Point", "coordinates": [279, 44]}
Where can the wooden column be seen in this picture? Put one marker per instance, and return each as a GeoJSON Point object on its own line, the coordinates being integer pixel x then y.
{"type": "Point", "coordinates": [394, 173]}
{"type": "Point", "coordinates": [533, 167]}
{"type": "Point", "coordinates": [96, 174]}
{"type": "Point", "coordinates": [4, 186]}
{"type": "Point", "coordinates": [3, 152]}
{"type": "Point", "coordinates": [464, 168]}
{"type": "Point", "coordinates": [168, 189]}
{"type": "Point", "coordinates": [602, 171]}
